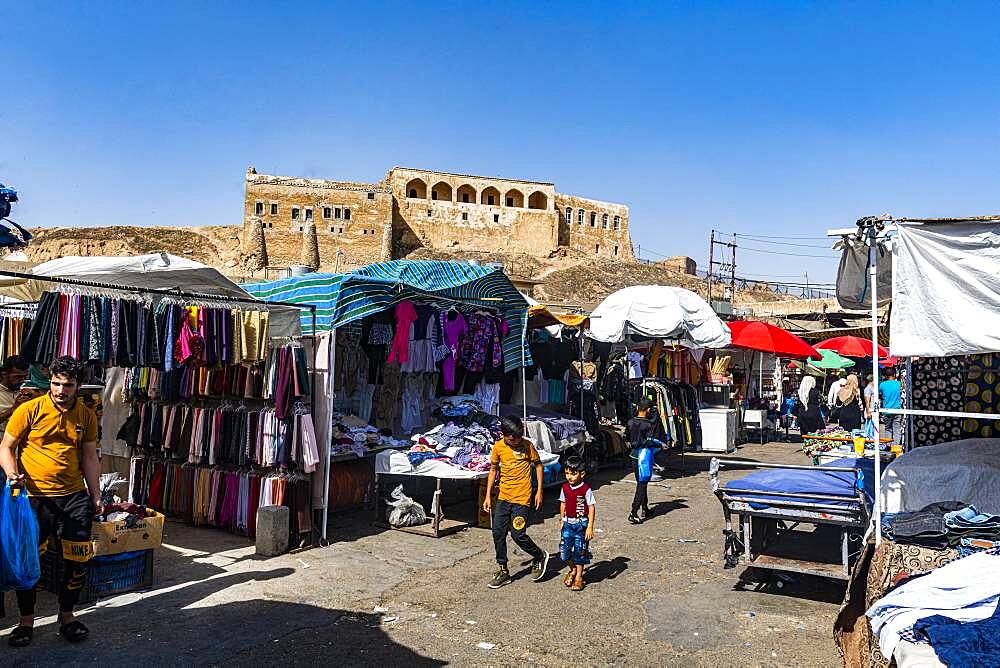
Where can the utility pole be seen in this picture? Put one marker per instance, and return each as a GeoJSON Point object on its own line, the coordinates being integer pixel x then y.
{"type": "Point", "coordinates": [711, 264]}
{"type": "Point", "coordinates": [724, 266]}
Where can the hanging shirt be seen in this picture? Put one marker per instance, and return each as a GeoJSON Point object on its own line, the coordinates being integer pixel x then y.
{"type": "Point", "coordinates": [406, 314]}
{"type": "Point", "coordinates": [634, 365]}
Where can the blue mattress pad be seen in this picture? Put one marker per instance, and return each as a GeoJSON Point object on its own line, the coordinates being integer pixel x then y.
{"type": "Point", "coordinates": [772, 482]}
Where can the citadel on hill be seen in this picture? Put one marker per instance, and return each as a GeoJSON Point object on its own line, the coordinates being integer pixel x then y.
{"type": "Point", "coordinates": [414, 208]}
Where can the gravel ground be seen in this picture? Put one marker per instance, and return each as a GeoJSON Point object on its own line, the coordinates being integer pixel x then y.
{"type": "Point", "coordinates": [376, 597]}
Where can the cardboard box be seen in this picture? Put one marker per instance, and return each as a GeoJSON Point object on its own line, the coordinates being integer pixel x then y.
{"type": "Point", "coordinates": [116, 537]}
{"type": "Point", "coordinates": [482, 517]}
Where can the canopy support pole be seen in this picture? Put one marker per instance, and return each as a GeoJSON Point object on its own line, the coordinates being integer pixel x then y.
{"type": "Point", "coordinates": [873, 279]}
{"type": "Point", "coordinates": [331, 387]}
{"type": "Point", "coordinates": [524, 370]}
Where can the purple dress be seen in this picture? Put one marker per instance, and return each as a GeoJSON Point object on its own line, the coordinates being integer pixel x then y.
{"type": "Point", "coordinates": [454, 331]}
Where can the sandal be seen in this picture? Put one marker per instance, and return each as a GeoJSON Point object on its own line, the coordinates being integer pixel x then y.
{"type": "Point", "coordinates": [74, 632]}
{"type": "Point", "coordinates": [21, 636]}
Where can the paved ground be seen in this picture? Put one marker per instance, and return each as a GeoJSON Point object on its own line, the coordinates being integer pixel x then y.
{"type": "Point", "coordinates": [375, 597]}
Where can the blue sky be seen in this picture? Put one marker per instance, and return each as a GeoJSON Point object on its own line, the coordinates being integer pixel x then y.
{"type": "Point", "coordinates": [769, 119]}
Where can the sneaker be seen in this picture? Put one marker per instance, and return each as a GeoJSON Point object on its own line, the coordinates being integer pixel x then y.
{"type": "Point", "coordinates": [538, 567]}
{"type": "Point", "coordinates": [500, 578]}
{"type": "Point", "coordinates": [633, 519]}
{"type": "Point", "coordinates": [656, 477]}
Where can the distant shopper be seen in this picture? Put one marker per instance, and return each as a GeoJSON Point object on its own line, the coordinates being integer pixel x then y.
{"type": "Point", "coordinates": [577, 508]}
{"type": "Point", "coordinates": [13, 372]}
{"type": "Point", "coordinates": [512, 461]}
{"type": "Point", "coordinates": [835, 387]}
{"type": "Point", "coordinates": [890, 391]}
{"type": "Point", "coordinates": [807, 407]}
{"type": "Point", "coordinates": [848, 407]}
{"type": "Point", "coordinates": [641, 431]}
{"type": "Point", "coordinates": [869, 395]}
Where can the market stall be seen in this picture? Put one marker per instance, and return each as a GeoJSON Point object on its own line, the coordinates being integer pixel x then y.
{"type": "Point", "coordinates": [674, 326]}
{"type": "Point", "coordinates": [937, 501]}
{"type": "Point", "coordinates": [401, 338]}
{"type": "Point", "coordinates": [167, 361]}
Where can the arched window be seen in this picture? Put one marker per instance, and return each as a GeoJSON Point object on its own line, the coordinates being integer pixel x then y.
{"type": "Point", "coordinates": [490, 197]}
{"type": "Point", "coordinates": [569, 216]}
{"type": "Point", "coordinates": [514, 198]}
{"type": "Point", "coordinates": [579, 217]}
{"type": "Point", "coordinates": [604, 221]}
{"type": "Point", "coordinates": [416, 189]}
{"type": "Point", "coordinates": [466, 194]}
{"type": "Point", "coordinates": [538, 200]}
{"type": "Point", "coordinates": [441, 192]}
{"type": "Point", "coordinates": [618, 222]}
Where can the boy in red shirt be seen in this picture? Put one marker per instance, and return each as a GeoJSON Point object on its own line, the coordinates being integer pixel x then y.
{"type": "Point", "coordinates": [577, 508]}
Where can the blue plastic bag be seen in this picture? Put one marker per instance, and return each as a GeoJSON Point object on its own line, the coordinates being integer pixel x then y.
{"type": "Point", "coordinates": [644, 472]}
{"type": "Point", "coordinates": [19, 567]}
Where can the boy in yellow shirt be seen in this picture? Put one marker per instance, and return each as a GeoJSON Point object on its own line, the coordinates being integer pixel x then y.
{"type": "Point", "coordinates": [512, 462]}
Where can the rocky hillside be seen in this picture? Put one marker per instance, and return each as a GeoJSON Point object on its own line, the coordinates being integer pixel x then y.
{"type": "Point", "coordinates": [565, 277]}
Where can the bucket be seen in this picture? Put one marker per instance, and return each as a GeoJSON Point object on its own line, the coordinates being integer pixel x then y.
{"type": "Point", "coordinates": [298, 269]}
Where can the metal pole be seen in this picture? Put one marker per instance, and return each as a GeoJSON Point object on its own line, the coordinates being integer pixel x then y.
{"type": "Point", "coordinates": [331, 387]}
{"type": "Point", "coordinates": [873, 277]}
{"type": "Point", "coordinates": [524, 370]}
{"type": "Point", "coordinates": [581, 376]}
{"type": "Point", "coordinates": [711, 265]}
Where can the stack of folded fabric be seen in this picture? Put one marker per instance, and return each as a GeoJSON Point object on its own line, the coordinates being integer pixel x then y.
{"type": "Point", "coordinates": [940, 525]}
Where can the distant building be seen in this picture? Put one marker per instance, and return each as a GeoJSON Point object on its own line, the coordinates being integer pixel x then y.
{"type": "Point", "coordinates": [682, 263]}
{"type": "Point", "coordinates": [414, 208]}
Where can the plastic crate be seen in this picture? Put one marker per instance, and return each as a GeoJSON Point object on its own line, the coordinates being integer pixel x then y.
{"type": "Point", "coordinates": [106, 576]}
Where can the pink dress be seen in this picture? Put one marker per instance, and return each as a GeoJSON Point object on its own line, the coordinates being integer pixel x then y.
{"type": "Point", "coordinates": [454, 331]}
{"type": "Point", "coordinates": [406, 313]}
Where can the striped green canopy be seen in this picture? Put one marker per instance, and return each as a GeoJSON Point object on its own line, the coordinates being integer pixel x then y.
{"type": "Point", "coordinates": [341, 299]}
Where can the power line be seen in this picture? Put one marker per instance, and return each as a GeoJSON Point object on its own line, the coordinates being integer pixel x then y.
{"type": "Point", "coordinates": [765, 236]}
{"type": "Point", "coordinates": [773, 252]}
{"type": "Point", "coordinates": [784, 243]}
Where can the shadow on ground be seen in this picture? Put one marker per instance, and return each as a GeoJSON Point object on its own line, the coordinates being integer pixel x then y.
{"type": "Point", "coordinates": [207, 622]}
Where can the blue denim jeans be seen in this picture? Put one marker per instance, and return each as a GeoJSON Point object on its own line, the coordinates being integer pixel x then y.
{"type": "Point", "coordinates": [573, 548]}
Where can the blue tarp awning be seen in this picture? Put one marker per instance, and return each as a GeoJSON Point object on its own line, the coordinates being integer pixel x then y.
{"type": "Point", "coordinates": [341, 299]}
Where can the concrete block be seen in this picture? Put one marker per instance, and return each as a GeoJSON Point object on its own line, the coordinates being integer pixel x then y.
{"type": "Point", "coordinates": [272, 530]}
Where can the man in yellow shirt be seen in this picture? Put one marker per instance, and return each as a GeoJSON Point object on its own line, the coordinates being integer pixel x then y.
{"type": "Point", "coordinates": [59, 468]}
{"type": "Point", "coordinates": [512, 461]}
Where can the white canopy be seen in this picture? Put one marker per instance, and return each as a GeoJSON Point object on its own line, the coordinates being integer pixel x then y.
{"type": "Point", "coordinates": [154, 271]}
{"type": "Point", "coordinates": [659, 312]}
{"type": "Point", "coordinates": [946, 289]}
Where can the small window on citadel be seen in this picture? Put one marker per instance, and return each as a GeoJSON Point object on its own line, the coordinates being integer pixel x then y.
{"type": "Point", "coordinates": [309, 215]}
{"type": "Point", "coordinates": [604, 221]}
{"type": "Point", "coordinates": [258, 209]}
{"type": "Point", "coordinates": [347, 214]}
{"type": "Point", "coordinates": [618, 222]}
{"type": "Point", "coordinates": [371, 195]}
{"type": "Point", "coordinates": [274, 209]}
{"type": "Point", "coordinates": [295, 213]}
{"type": "Point", "coordinates": [496, 217]}
{"type": "Point", "coordinates": [327, 212]}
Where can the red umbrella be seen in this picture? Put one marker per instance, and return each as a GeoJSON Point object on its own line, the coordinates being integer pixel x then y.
{"type": "Point", "coordinates": [766, 338]}
{"type": "Point", "coordinates": [852, 346]}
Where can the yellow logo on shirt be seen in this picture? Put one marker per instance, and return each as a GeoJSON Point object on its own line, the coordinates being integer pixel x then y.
{"type": "Point", "coordinates": [518, 523]}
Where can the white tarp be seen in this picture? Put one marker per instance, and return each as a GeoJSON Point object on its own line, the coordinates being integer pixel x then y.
{"type": "Point", "coordinates": [946, 290]}
{"type": "Point", "coordinates": [153, 271]}
{"type": "Point", "coordinates": [658, 312]}
{"type": "Point", "coordinates": [965, 470]}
